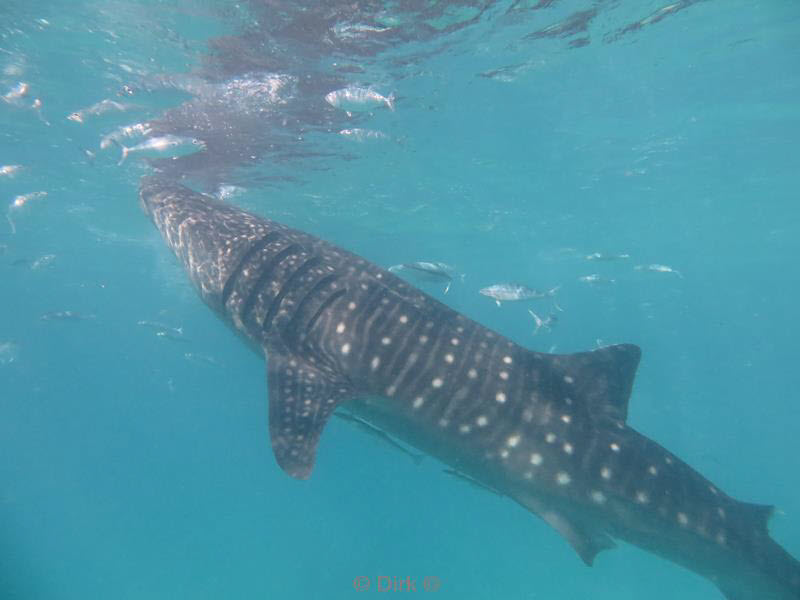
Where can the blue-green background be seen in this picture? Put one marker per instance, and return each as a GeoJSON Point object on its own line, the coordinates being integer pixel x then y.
{"type": "Point", "coordinates": [128, 471]}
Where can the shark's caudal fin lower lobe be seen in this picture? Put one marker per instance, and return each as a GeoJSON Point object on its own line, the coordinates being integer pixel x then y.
{"type": "Point", "coordinates": [775, 576]}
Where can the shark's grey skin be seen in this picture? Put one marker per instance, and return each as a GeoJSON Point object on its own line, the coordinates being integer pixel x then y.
{"type": "Point", "coordinates": [547, 430]}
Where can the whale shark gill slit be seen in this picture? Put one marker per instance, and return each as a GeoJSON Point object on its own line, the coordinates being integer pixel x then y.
{"type": "Point", "coordinates": [328, 302]}
{"type": "Point", "coordinates": [265, 275]}
{"type": "Point", "coordinates": [248, 256]}
{"type": "Point", "coordinates": [291, 282]}
{"type": "Point", "coordinates": [315, 294]}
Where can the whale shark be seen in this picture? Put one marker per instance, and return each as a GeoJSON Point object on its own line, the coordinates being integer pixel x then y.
{"type": "Point", "coordinates": [546, 430]}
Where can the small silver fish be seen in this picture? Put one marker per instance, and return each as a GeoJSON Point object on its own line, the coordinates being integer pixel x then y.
{"type": "Point", "coordinates": [65, 315]}
{"type": "Point", "coordinates": [18, 202]}
{"type": "Point", "coordinates": [98, 109]}
{"type": "Point", "coordinates": [355, 30]}
{"type": "Point", "coordinates": [595, 278]}
{"type": "Point", "coordinates": [201, 358]}
{"type": "Point", "coordinates": [90, 155]}
{"type": "Point", "coordinates": [510, 292]}
{"type": "Point", "coordinates": [36, 105]}
{"type": "Point", "coordinates": [9, 170]}
{"type": "Point", "coordinates": [428, 271]}
{"type": "Point", "coordinates": [164, 331]}
{"type": "Point", "coordinates": [508, 73]}
{"type": "Point", "coordinates": [363, 135]}
{"type": "Point", "coordinates": [164, 146]}
{"type": "Point", "coordinates": [358, 99]}
{"type": "Point", "coordinates": [547, 322]}
{"type": "Point", "coordinates": [16, 93]}
{"type": "Point", "coordinates": [380, 434]}
{"type": "Point", "coordinates": [603, 256]}
{"type": "Point", "coordinates": [23, 199]}
{"type": "Point", "coordinates": [126, 132]}
{"type": "Point", "coordinates": [656, 268]}
{"type": "Point", "coordinates": [43, 262]}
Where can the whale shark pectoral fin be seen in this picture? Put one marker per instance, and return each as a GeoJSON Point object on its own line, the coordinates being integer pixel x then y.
{"type": "Point", "coordinates": [302, 398]}
{"type": "Point", "coordinates": [587, 541]}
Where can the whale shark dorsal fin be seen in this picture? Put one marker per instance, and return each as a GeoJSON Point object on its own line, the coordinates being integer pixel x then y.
{"type": "Point", "coordinates": [302, 398]}
{"type": "Point", "coordinates": [602, 378]}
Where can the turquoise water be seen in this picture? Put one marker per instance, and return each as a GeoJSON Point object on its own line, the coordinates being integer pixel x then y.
{"type": "Point", "coordinates": [525, 137]}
